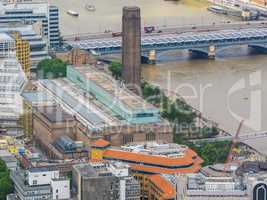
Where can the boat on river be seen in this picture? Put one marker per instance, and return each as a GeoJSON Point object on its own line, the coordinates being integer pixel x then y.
{"type": "Point", "coordinates": [217, 9]}
{"type": "Point", "coordinates": [73, 13]}
{"type": "Point", "coordinates": [90, 8]}
{"type": "Point", "coordinates": [244, 14]}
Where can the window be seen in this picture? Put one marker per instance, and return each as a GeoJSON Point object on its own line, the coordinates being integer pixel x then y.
{"type": "Point", "coordinates": [127, 139]}
{"type": "Point", "coordinates": [150, 136]}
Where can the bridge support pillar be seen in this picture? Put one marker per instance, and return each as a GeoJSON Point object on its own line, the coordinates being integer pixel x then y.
{"type": "Point", "coordinates": [262, 48]}
{"type": "Point", "coordinates": [152, 57]}
{"type": "Point", "coordinates": [211, 52]}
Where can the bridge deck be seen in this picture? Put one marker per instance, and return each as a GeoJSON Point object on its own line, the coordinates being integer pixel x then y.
{"type": "Point", "coordinates": [179, 41]}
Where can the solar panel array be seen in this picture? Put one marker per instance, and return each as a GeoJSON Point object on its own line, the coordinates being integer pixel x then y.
{"type": "Point", "coordinates": [177, 39]}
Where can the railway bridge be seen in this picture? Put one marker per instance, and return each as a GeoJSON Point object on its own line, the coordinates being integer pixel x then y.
{"type": "Point", "coordinates": [205, 43]}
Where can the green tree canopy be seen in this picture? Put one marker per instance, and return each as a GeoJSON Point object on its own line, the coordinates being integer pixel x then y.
{"type": "Point", "coordinates": [51, 68]}
{"type": "Point", "coordinates": [6, 185]}
{"type": "Point", "coordinates": [115, 68]}
{"type": "Point", "coordinates": [212, 152]}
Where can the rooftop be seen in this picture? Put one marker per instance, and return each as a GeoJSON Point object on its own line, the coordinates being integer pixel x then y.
{"type": "Point", "coordinates": [156, 158]}
{"type": "Point", "coordinates": [101, 143]}
{"type": "Point", "coordinates": [54, 113]}
{"type": "Point", "coordinates": [87, 110]}
{"type": "Point", "coordinates": [165, 186]}
{"type": "Point", "coordinates": [40, 169]}
{"type": "Point", "coordinates": [113, 88]}
{"type": "Point", "coordinates": [100, 168]}
{"type": "Point", "coordinates": [37, 97]}
{"type": "Point", "coordinates": [38, 6]}
{"type": "Point", "coordinates": [5, 37]}
{"type": "Point", "coordinates": [252, 167]}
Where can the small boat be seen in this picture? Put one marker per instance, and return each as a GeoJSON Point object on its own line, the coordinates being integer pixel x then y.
{"type": "Point", "coordinates": [73, 13]}
{"type": "Point", "coordinates": [217, 9]}
{"type": "Point", "coordinates": [90, 7]}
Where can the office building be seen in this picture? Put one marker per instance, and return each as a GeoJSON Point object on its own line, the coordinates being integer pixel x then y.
{"type": "Point", "coordinates": [12, 81]}
{"type": "Point", "coordinates": [23, 54]}
{"type": "Point", "coordinates": [40, 183]}
{"type": "Point", "coordinates": [33, 11]}
{"type": "Point", "coordinates": [150, 157]}
{"type": "Point", "coordinates": [104, 180]}
{"type": "Point", "coordinates": [131, 47]}
{"type": "Point", "coordinates": [159, 188]}
{"type": "Point", "coordinates": [244, 183]}
{"type": "Point", "coordinates": [200, 185]}
{"type": "Point", "coordinates": [27, 33]}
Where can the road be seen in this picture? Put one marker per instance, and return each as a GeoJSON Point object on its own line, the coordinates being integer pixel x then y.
{"type": "Point", "coordinates": [242, 138]}
{"type": "Point", "coordinates": [178, 30]}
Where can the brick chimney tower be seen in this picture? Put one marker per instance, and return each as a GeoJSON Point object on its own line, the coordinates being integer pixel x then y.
{"type": "Point", "coordinates": [131, 46]}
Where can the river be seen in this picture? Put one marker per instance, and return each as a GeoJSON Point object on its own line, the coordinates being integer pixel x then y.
{"type": "Point", "coordinates": [226, 90]}
{"type": "Point", "coordinates": [108, 14]}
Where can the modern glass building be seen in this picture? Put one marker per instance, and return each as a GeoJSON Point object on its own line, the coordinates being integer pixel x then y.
{"type": "Point", "coordinates": [12, 80]}
{"type": "Point", "coordinates": [33, 11]}
{"type": "Point", "coordinates": [38, 46]}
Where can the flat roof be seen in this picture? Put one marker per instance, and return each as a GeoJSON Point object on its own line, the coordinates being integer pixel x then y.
{"type": "Point", "coordinates": [37, 97]}
{"type": "Point", "coordinates": [113, 87]}
{"type": "Point", "coordinates": [40, 169]}
{"type": "Point", "coordinates": [54, 113]}
{"type": "Point", "coordinates": [5, 37]}
{"type": "Point", "coordinates": [79, 104]}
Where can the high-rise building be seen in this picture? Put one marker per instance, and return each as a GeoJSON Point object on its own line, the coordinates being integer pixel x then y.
{"type": "Point", "coordinates": [31, 11]}
{"type": "Point", "coordinates": [131, 46]}
{"type": "Point", "coordinates": [23, 53]}
{"type": "Point", "coordinates": [12, 81]}
{"type": "Point", "coordinates": [40, 183]}
{"type": "Point", "coordinates": [104, 180]}
{"type": "Point", "coordinates": [28, 33]}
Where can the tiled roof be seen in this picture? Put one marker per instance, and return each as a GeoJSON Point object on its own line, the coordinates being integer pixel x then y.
{"type": "Point", "coordinates": [188, 159]}
{"type": "Point", "coordinates": [164, 185]}
{"type": "Point", "coordinates": [100, 143]}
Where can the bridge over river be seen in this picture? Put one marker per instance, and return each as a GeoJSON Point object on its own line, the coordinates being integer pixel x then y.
{"type": "Point", "coordinates": [205, 43]}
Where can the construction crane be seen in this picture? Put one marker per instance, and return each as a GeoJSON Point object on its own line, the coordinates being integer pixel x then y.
{"type": "Point", "coordinates": [233, 146]}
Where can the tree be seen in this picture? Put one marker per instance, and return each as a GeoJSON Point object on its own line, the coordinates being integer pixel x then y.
{"type": "Point", "coordinates": [51, 68]}
{"type": "Point", "coordinates": [212, 153]}
{"type": "Point", "coordinates": [6, 185]}
{"type": "Point", "coordinates": [115, 68]}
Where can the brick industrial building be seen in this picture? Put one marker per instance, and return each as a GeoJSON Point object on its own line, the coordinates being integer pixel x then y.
{"type": "Point", "coordinates": [97, 107]}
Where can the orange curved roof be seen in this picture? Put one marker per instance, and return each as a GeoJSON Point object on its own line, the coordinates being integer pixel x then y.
{"type": "Point", "coordinates": [101, 143]}
{"type": "Point", "coordinates": [187, 159]}
{"type": "Point", "coordinates": [159, 170]}
{"type": "Point", "coordinates": [164, 185]}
